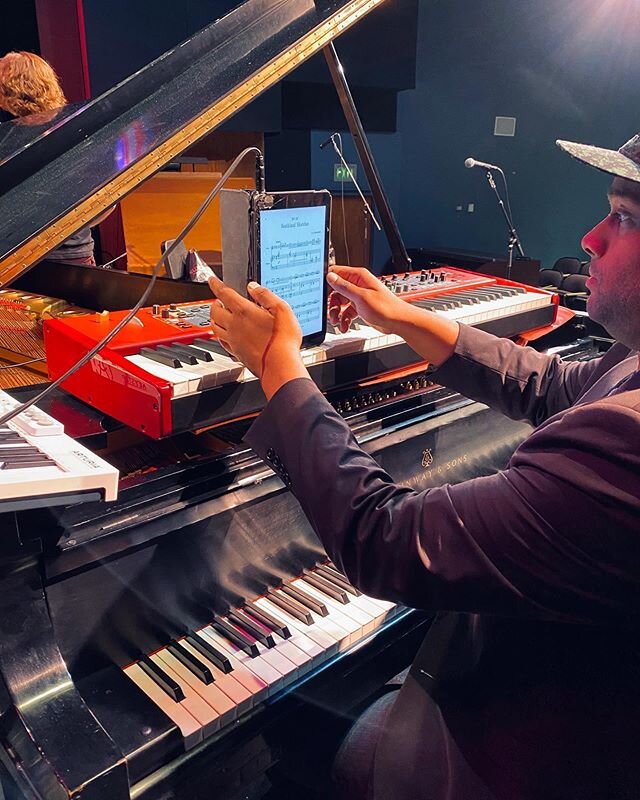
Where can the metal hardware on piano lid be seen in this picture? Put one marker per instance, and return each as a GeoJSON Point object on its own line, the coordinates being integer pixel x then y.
{"type": "Point", "coordinates": [148, 379]}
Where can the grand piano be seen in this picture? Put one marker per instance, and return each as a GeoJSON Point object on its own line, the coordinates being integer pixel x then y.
{"type": "Point", "coordinates": [190, 639]}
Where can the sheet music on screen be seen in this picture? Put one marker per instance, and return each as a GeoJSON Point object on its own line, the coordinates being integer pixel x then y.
{"type": "Point", "coordinates": [292, 249]}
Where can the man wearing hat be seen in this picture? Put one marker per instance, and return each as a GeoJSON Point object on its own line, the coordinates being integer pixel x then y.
{"type": "Point", "coordinates": [528, 683]}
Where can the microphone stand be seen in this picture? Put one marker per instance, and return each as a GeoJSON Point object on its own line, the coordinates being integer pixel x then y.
{"type": "Point", "coordinates": [514, 240]}
{"type": "Point", "coordinates": [338, 151]}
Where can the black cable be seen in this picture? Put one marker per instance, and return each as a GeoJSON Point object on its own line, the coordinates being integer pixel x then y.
{"type": "Point", "coordinates": [126, 319]}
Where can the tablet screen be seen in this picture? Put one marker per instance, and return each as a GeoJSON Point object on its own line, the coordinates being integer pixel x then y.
{"type": "Point", "coordinates": [292, 260]}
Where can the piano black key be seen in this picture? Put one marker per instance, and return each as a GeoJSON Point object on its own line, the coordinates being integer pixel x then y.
{"type": "Point", "coordinates": [310, 602]}
{"type": "Point", "coordinates": [209, 651]}
{"type": "Point", "coordinates": [176, 351]}
{"type": "Point", "coordinates": [267, 620]}
{"type": "Point", "coordinates": [198, 352]}
{"type": "Point", "coordinates": [337, 579]}
{"type": "Point", "coordinates": [325, 587]}
{"type": "Point", "coordinates": [212, 346]}
{"type": "Point", "coordinates": [160, 677]}
{"type": "Point", "coordinates": [160, 357]}
{"type": "Point", "coordinates": [199, 669]}
{"type": "Point", "coordinates": [289, 605]}
{"type": "Point", "coordinates": [245, 623]}
{"type": "Point", "coordinates": [235, 636]}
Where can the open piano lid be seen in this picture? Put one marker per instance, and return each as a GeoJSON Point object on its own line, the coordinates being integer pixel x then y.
{"type": "Point", "coordinates": [59, 174]}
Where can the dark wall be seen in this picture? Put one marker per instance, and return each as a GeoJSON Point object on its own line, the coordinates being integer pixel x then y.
{"type": "Point", "coordinates": [564, 68]}
{"type": "Point", "coordinates": [18, 26]}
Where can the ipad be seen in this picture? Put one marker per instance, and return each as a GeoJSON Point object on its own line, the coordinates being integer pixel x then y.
{"type": "Point", "coordinates": [289, 253]}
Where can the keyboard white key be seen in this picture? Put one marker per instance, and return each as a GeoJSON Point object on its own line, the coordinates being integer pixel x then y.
{"type": "Point", "coordinates": [198, 708]}
{"type": "Point", "coordinates": [190, 728]}
{"type": "Point", "coordinates": [242, 698]}
{"type": "Point", "coordinates": [222, 705]}
{"type": "Point", "coordinates": [259, 666]}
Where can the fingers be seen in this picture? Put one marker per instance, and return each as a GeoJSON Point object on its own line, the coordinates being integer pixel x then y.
{"type": "Point", "coordinates": [226, 294]}
{"type": "Point", "coordinates": [349, 291]}
{"type": "Point", "coordinates": [263, 297]}
{"type": "Point", "coordinates": [346, 318]}
{"type": "Point", "coordinates": [355, 275]}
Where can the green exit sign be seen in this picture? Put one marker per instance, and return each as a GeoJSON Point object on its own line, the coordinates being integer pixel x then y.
{"type": "Point", "coordinates": [341, 173]}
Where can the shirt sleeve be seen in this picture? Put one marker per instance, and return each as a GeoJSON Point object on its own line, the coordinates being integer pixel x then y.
{"type": "Point", "coordinates": [518, 381]}
{"type": "Point", "coordinates": [551, 537]}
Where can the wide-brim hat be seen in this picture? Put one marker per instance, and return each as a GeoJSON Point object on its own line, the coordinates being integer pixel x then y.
{"type": "Point", "coordinates": [625, 162]}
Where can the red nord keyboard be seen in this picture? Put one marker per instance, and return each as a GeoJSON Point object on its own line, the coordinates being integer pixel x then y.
{"type": "Point", "coordinates": [165, 372]}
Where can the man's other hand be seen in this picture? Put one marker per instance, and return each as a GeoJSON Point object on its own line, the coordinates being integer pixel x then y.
{"type": "Point", "coordinates": [358, 293]}
{"type": "Point", "coordinates": [264, 335]}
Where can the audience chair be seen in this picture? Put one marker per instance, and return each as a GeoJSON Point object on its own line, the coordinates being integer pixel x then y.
{"type": "Point", "coordinates": [584, 269]}
{"type": "Point", "coordinates": [575, 292]}
{"type": "Point", "coordinates": [549, 277]}
{"type": "Point", "coordinates": [567, 265]}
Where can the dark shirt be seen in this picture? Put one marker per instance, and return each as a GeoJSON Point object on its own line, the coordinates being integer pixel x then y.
{"type": "Point", "coordinates": [78, 246]}
{"type": "Point", "coordinates": [542, 560]}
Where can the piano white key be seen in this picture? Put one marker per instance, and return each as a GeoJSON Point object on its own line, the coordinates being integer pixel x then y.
{"type": "Point", "coordinates": [226, 682]}
{"type": "Point", "coordinates": [257, 686]}
{"type": "Point", "coordinates": [190, 728]}
{"type": "Point", "coordinates": [218, 371]}
{"type": "Point", "coordinates": [259, 666]}
{"type": "Point", "coordinates": [337, 613]}
{"type": "Point", "coordinates": [195, 705]}
{"type": "Point", "coordinates": [327, 635]}
{"type": "Point", "coordinates": [316, 644]}
{"type": "Point", "coordinates": [365, 621]}
{"type": "Point", "coordinates": [290, 649]}
{"type": "Point", "coordinates": [182, 382]}
{"type": "Point", "coordinates": [209, 692]}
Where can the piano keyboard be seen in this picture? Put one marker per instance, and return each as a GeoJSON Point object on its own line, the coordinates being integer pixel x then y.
{"type": "Point", "coordinates": [37, 458]}
{"type": "Point", "coordinates": [154, 375]}
{"type": "Point", "coordinates": [212, 676]}
{"type": "Point", "coordinates": [205, 364]}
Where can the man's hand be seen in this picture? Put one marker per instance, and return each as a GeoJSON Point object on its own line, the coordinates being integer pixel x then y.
{"type": "Point", "coordinates": [264, 335]}
{"type": "Point", "coordinates": [356, 292]}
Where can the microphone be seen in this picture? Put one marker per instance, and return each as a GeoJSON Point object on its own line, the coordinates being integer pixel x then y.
{"type": "Point", "coordinates": [327, 141]}
{"type": "Point", "coordinates": [471, 162]}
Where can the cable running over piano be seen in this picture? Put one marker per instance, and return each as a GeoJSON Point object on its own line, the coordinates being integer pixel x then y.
{"type": "Point", "coordinates": [154, 274]}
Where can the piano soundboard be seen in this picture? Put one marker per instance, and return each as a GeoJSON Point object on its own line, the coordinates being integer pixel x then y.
{"type": "Point", "coordinates": [165, 372]}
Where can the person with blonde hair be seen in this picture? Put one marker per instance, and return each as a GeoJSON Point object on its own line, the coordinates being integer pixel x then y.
{"type": "Point", "coordinates": [28, 84]}
{"type": "Point", "coordinates": [29, 88]}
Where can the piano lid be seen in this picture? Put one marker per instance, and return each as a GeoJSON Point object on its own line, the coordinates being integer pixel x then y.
{"type": "Point", "coordinates": [59, 172]}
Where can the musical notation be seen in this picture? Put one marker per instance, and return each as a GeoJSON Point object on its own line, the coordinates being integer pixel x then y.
{"type": "Point", "coordinates": [292, 260]}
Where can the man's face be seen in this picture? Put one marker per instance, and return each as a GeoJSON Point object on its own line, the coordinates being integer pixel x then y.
{"type": "Point", "coordinates": [614, 248]}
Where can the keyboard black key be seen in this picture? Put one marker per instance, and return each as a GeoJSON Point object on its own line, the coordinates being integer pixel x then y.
{"type": "Point", "coordinates": [201, 355]}
{"type": "Point", "coordinates": [177, 352]}
{"type": "Point", "coordinates": [160, 357]}
{"type": "Point", "coordinates": [160, 677]}
{"type": "Point", "coordinates": [235, 636]}
{"type": "Point", "coordinates": [209, 651]}
{"type": "Point", "coordinates": [325, 587]}
{"type": "Point", "coordinates": [310, 602]}
{"type": "Point", "coordinates": [267, 620]}
{"type": "Point", "coordinates": [251, 627]}
{"type": "Point", "coordinates": [291, 607]}
{"type": "Point", "coordinates": [193, 664]}
{"type": "Point", "coordinates": [212, 346]}
{"type": "Point", "coordinates": [337, 580]}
